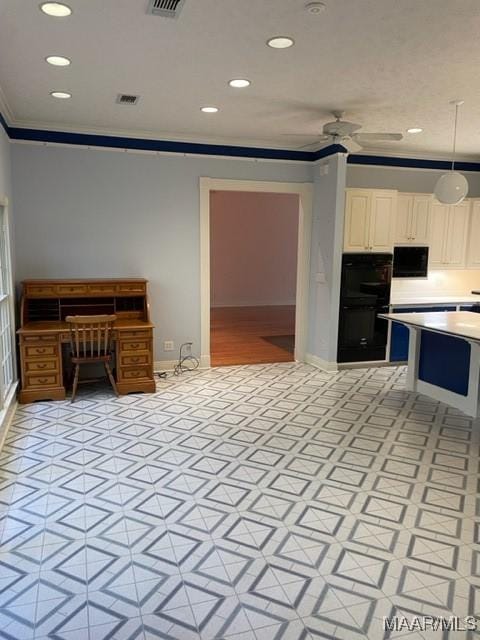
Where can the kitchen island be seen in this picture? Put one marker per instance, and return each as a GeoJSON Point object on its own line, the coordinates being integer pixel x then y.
{"type": "Point", "coordinates": [444, 356]}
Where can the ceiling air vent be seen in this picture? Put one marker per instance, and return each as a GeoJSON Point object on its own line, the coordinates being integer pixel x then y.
{"type": "Point", "coordinates": [165, 8]}
{"type": "Point", "coordinates": [125, 98]}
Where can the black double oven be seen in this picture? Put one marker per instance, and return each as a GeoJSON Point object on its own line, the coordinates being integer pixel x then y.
{"type": "Point", "coordinates": [364, 293]}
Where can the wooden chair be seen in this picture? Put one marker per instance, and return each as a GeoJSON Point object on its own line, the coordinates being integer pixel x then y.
{"type": "Point", "coordinates": [91, 341]}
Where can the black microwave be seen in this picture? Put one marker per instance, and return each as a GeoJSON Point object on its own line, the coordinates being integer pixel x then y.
{"type": "Point", "coordinates": [410, 262]}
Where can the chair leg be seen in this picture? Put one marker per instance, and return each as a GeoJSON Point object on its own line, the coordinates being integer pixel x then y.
{"type": "Point", "coordinates": [111, 378]}
{"type": "Point", "coordinates": [75, 382]}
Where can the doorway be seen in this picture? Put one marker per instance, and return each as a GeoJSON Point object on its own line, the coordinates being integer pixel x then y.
{"type": "Point", "coordinates": [272, 335]}
{"type": "Point", "coordinates": [253, 270]}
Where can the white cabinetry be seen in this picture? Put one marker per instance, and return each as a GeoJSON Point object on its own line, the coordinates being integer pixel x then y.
{"type": "Point", "coordinates": [412, 224]}
{"type": "Point", "coordinates": [369, 220]}
{"type": "Point", "coordinates": [448, 235]}
{"type": "Point", "coordinates": [473, 258]}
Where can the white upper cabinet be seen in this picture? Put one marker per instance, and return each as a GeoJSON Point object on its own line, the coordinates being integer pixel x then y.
{"type": "Point", "coordinates": [448, 235]}
{"type": "Point", "coordinates": [438, 234]}
{"type": "Point", "coordinates": [412, 224]}
{"type": "Point", "coordinates": [358, 204]}
{"type": "Point", "coordinates": [369, 219]}
{"type": "Point", "coordinates": [474, 237]}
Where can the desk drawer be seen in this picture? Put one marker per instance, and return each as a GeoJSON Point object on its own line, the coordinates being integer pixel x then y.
{"type": "Point", "coordinates": [41, 350]}
{"type": "Point", "coordinates": [134, 373]}
{"type": "Point", "coordinates": [71, 289]}
{"type": "Point", "coordinates": [135, 345]}
{"type": "Point", "coordinates": [41, 290]}
{"type": "Point", "coordinates": [104, 289]}
{"type": "Point", "coordinates": [39, 340]}
{"type": "Point", "coordinates": [132, 287]}
{"type": "Point", "coordinates": [139, 359]}
{"type": "Point", "coordinates": [43, 380]}
{"type": "Point", "coordinates": [133, 334]}
{"type": "Point", "coordinates": [41, 366]}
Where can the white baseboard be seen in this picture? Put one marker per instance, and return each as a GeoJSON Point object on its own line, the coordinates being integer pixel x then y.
{"type": "Point", "coordinates": [253, 303]}
{"type": "Point", "coordinates": [205, 362]}
{"type": "Point", "coordinates": [320, 363]}
{"type": "Point", "coordinates": [6, 415]}
{"type": "Point", "coordinates": [369, 364]}
{"type": "Point", "coordinates": [169, 365]}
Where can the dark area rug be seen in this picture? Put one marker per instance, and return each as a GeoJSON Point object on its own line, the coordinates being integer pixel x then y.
{"type": "Point", "coordinates": [287, 343]}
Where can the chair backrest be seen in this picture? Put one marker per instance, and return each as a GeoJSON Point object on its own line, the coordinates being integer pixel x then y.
{"type": "Point", "coordinates": [91, 336]}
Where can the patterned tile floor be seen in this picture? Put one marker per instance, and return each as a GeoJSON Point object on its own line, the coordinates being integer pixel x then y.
{"type": "Point", "coordinates": [250, 503]}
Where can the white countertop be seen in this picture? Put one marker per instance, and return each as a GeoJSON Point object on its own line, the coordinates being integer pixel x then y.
{"type": "Point", "coordinates": [463, 324]}
{"type": "Point", "coordinates": [408, 300]}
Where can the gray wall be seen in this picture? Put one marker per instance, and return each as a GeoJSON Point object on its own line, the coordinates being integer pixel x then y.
{"type": "Point", "coordinates": [5, 165]}
{"type": "Point", "coordinates": [326, 258]}
{"type": "Point", "coordinates": [413, 180]}
{"type": "Point", "coordinates": [99, 213]}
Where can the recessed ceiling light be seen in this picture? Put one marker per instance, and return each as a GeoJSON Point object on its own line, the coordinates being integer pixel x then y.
{"type": "Point", "coordinates": [56, 9]}
{"type": "Point", "coordinates": [315, 8]}
{"type": "Point", "coordinates": [280, 42]}
{"type": "Point", "coordinates": [239, 83]}
{"type": "Point", "coordinates": [209, 109]}
{"type": "Point", "coordinates": [58, 61]}
{"type": "Point", "coordinates": [61, 95]}
{"type": "Point", "coordinates": [415, 130]}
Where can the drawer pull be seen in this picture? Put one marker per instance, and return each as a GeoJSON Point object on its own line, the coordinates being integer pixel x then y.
{"type": "Point", "coordinates": [40, 350]}
{"type": "Point", "coordinates": [41, 366]}
{"type": "Point", "coordinates": [135, 345]}
{"type": "Point", "coordinates": [43, 380]}
{"type": "Point", "coordinates": [135, 360]}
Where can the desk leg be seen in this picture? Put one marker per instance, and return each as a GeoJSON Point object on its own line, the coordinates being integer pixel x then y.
{"type": "Point", "coordinates": [413, 359]}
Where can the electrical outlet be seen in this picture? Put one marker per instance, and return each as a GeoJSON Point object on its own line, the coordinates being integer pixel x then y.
{"type": "Point", "coordinates": [168, 345]}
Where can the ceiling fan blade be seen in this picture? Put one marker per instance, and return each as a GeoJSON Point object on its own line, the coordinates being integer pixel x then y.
{"type": "Point", "coordinates": [376, 137]}
{"type": "Point", "coordinates": [320, 138]}
{"type": "Point", "coordinates": [350, 145]}
{"type": "Point", "coordinates": [307, 146]}
{"type": "Point", "coordinates": [300, 135]}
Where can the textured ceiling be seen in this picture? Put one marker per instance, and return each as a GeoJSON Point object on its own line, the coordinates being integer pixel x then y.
{"type": "Point", "coordinates": [390, 64]}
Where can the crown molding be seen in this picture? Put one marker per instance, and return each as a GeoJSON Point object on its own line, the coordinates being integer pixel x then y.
{"type": "Point", "coordinates": [5, 111]}
{"type": "Point", "coordinates": [147, 135]}
{"type": "Point", "coordinates": [148, 144]}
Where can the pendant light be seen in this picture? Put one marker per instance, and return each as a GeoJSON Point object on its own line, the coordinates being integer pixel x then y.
{"type": "Point", "coordinates": [452, 187]}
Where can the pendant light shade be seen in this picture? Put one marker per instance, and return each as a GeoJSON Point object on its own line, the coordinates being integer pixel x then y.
{"type": "Point", "coordinates": [452, 187]}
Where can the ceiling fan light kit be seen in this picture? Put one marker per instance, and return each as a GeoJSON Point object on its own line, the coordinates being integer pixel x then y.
{"type": "Point", "coordinates": [452, 187]}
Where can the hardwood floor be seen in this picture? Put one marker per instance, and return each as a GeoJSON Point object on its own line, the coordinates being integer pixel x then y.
{"type": "Point", "coordinates": [252, 335]}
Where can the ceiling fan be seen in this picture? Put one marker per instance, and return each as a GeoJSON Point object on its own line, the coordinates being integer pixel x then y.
{"type": "Point", "coordinates": [346, 133]}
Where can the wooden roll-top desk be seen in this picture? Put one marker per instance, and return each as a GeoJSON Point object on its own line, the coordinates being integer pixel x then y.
{"type": "Point", "coordinates": [44, 306]}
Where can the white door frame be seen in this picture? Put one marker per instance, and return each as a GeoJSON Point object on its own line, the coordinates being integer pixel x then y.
{"type": "Point", "coordinates": [305, 192]}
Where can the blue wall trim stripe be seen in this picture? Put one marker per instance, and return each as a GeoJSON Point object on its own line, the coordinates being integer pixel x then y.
{"type": "Point", "coordinates": [412, 163]}
{"type": "Point", "coordinates": [140, 144]}
{"type": "Point", "coordinates": [85, 139]}
{"type": "Point", "coordinates": [4, 124]}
